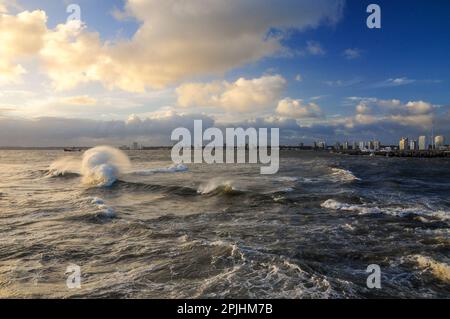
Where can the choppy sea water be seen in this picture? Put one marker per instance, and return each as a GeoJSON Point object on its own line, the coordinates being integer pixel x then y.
{"type": "Point", "coordinates": [154, 230]}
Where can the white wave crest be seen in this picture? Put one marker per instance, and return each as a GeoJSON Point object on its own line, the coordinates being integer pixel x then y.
{"type": "Point", "coordinates": [286, 179]}
{"type": "Point", "coordinates": [102, 165]}
{"type": "Point", "coordinates": [172, 169]}
{"type": "Point", "coordinates": [392, 211]}
{"type": "Point", "coordinates": [216, 184]}
{"type": "Point", "coordinates": [440, 270]}
{"type": "Point", "coordinates": [99, 166]}
{"type": "Point", "coordinates": [63, 166]}
{"type": "Point", "coordinates": [360, 209]}
{"type": "Point", "coordinates": [105, 210]}
{"type": "Point", "coordinates": [343, 175]}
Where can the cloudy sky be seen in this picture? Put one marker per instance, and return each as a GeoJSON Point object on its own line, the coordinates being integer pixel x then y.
{"type": "Point", "coordinates": [136, 69]}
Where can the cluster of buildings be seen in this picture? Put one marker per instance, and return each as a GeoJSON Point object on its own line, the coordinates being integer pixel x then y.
{"type": "Point", "coordinates": [437, 143]}
{"type": "Point", "coordinates": [134, 147]}
{"type": "Point", "coordinates": [405, 144]}
{"type": "Point", "coordinates": [374, 145]}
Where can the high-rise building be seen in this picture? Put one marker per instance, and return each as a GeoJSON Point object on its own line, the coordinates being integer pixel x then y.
{"type": "Point", "coordinates": [403, 144]}
{"type": "Point", "coordinates": [376, 145]}
{"type": "Point", "coordinates": [354, 146]}
{"type": "Point", "coordinates": [423, 143]}
{"type": "Point", "coordinates": [439, 141]}
{"type": "Point", "coordinates": [413, 145]}
{"type": "Point", "coordinates": [362, 145]}
{"type": "Point", "coordinates": [135, 146]}
{"type": "Point", "coordinates": [337, 146]}
{"type": "Point", "coordinates": [322, 145]}
{"type": "Point", "coordinates": [345, 146]}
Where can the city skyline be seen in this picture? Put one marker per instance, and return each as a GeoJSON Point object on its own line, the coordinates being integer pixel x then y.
{"type": "Point", "coordinates": [421, 143]}
{"type": "Point", "coordinates": [424, 140]}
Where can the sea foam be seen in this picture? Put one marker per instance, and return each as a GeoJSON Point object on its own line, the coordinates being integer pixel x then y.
{"type": "Point", "coordinates": [364, 209]}
{"type": "Point", "coordinates": [101, 165]}
{"type": "Point", "coordinates": [360, 209]}
{"type": "Point", "coordinates": [64, 166]}
{"type": "Point", "coordinates": [440, 270]}
{"type": "Point", "coordinates": [343, 175]}
{"type": "Point", "coordinates": [172, 169]}
{"type": "Point", "coordinates": [215, 185]}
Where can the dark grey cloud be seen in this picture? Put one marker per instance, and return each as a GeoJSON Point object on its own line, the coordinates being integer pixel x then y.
{"type": "Point", "coordinates": [51, 131]}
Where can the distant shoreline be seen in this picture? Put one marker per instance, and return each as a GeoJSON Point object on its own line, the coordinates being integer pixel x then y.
{"type": "Point", "coordinates": [423, 154]}
{"type": "Point", "coordinates": [392, 153]}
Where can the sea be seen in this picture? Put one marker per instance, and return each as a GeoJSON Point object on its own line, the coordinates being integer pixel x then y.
{"type": "Point", "coordinates": [138, 226]}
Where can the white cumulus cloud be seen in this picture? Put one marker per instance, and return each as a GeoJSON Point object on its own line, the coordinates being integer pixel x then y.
{"type": "Point", "coordinates": [244, 95]}
{"type": "Point", "coordinates": [175, 41]}
{"type": "Point", "coordinates": [297, 109]}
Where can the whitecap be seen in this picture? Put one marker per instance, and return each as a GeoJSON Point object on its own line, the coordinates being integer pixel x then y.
{"type": "Point", "coordinates": [286, 179]}
{"type": "Point", "coordinates": [421, 213]}
{"type": "Point", "coordinates": [342, 175]}
{"type": "Point", "coordinates": [102, 209]}
{"type": "Point", "coordinates": [216, 184]}
{"type": "Point", "coordinates": [440, 270]}
{"type": "Point", "coordinates": [102, 165]}
{"type": "Point", "coordinates": [172, 169]}
{"type": "Point", "coordinates": [360, 209]}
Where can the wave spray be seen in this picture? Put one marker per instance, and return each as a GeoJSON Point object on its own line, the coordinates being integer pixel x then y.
{"type": "Point", "coordinates": [102, 165]}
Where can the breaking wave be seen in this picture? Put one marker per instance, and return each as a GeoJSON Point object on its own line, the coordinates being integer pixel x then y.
{"type": "Point", "coordinates": [102, 165]}
{"type": "Point", "coordinates": [343, 175]}
{"type": "Point", "coordinates": [286, 179]}
{"type": "Point", "coordinates": [105, 210]}
{"type": "Point", "coordinates": [277, 276]}
{"type": "Point", "coordinates": [440, 270]}
{"type": "Point", "coordinates": [172, 169]}
{"type": "Point", "coordinates": [217, 186]}
{"type": "Point", "coordinates": [65, 166]}
{"type": "Point", "coordinates": [363, 209]}
{"type": "Point", "coordinates": [99, 166]}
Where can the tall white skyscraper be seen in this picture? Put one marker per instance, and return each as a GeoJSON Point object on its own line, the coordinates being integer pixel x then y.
{"type": "Point", "coordinates": [403, 144]}
{"type": "Point", "coordinates": [439, 141]}
{"type": "Point", "coordinates": [362, 145]}
{"type": "Point", "coordinates": [423, 143]}
{"type": "Point", "coordinates": [345, 146]}
{"type": "Point", "coordinates": [376, 145]}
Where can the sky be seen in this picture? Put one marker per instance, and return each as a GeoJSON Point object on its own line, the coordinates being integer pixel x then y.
{"type": "Point", "coordinates": [134, 70]}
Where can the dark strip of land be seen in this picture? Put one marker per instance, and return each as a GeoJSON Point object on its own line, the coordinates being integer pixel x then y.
{"type": "Point", "coordinates": [426, 154]}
